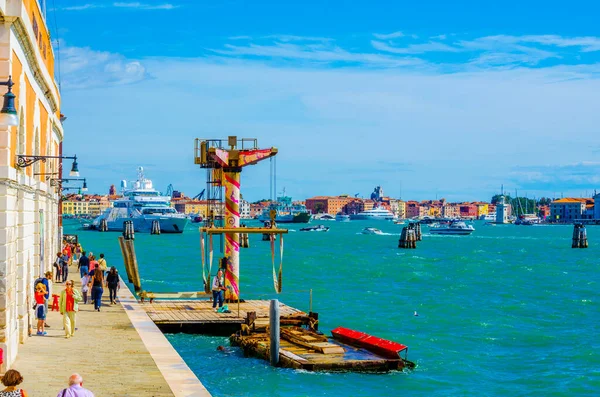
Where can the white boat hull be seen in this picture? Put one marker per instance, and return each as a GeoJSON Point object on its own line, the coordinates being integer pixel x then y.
{"type": "Point", "coordinates": [451, 232]}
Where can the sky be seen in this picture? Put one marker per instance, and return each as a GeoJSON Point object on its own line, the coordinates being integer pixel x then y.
{"type": "Point", "coordinates": [425, 98]}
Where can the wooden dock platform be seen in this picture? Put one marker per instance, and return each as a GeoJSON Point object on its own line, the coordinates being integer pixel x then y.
{"type": "Point", "coordinates": [198, 316]}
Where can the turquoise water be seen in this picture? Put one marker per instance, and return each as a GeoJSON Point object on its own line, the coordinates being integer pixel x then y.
{"type": "Point", "coordinates": [509, 309]}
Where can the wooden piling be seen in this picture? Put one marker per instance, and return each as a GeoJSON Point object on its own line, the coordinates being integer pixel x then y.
{"type": "Point", "coordinates": [579, 236]}
{"type": "Point", "coordinates": [244, 240]}
{"type": "Point", "coordinates": [155, 229]}
{"type": "Point", "coordinates": [408, 237]}
{"type": "Point", "coordinates": [274, 332]}
{"type": "Point", "coordinates": [125, 256]}
{"type": "Point", "coordinates": [103, 227]}
{"type": "Point", "coordinates": [418, 232]}
{"type": "Point", "coordinates": [133, 264]}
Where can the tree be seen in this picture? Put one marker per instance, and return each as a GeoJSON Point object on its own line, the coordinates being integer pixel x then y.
{"type": "Point", "coordinates": [319, 207]}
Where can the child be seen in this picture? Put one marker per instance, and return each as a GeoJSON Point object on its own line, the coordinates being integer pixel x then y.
{"type": "Point", "coordinates": [40, 309]}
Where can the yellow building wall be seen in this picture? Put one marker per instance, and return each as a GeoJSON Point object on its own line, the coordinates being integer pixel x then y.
{"type": "Point", "coordinates": [30, 99]}
{"type": "Point", "coordinates": [43, 137]}
{"type": "Point", "coordinates": [17, 70]}
{"type": "Point", "coordinates": [43, 36]}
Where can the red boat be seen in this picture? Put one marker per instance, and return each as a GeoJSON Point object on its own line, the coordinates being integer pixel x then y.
{"type": "Point", "coordinates": [381, 347]}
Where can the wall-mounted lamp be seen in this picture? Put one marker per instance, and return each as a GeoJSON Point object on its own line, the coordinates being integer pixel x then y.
{"type": "Point", "coordinates": [58, 182]}
{"type": "Point", "coordinates": [24, 161]}
{"type": "Point", "coordinates": [8, 113]}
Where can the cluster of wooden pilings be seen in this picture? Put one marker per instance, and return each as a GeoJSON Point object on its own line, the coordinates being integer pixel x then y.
{"type": "Point", "coordinates": [410, 235]}
{"type": "Point", "coordinates": [103, 227]}
{"type": "Point", "coordinates": [129, 257]}
{"type": "Point", "coordinates": [155, 229]}
{"type": "Point", "coordinates": [244, 240]}
{"type": "Point", "coordinates": [579, 236]}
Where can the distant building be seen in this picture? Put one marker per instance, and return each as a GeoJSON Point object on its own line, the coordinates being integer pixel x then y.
{"type": "Point", "coordinates": [412, 209]}
{"type": "Point", "coordinates": [468, 211]}
{"type": "Point", "coordinates": [199, 207]}
{"type": "Point", "coordinates": [398, 207]}
{"type": "Point", "coordinates": [328, 204]}
{"type": "Point", "coordinates": [112, 191]}
{"type": "Point", "coordinates": [597, 207]}
{"type": "Point", "coordinates": [451, 210]}
{"type": "Point", "coordinates": [568, 209]}
{"type": "Point", "coordinates": [244, 209]}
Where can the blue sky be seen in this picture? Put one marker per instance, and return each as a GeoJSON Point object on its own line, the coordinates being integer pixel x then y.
{"type": "Point", "coordinates": [429, 98]}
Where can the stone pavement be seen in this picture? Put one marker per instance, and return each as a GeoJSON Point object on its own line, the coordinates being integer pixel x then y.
{"type": "Point", "coordinates": [107, 351]}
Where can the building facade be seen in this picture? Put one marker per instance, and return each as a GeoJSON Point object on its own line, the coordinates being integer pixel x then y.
{"type": "Point", "coordinates": [327, 204]}
{"type": "Point", "coordinates": [567, 209]}
{"type": "Point", "coordinates": [29, 206]}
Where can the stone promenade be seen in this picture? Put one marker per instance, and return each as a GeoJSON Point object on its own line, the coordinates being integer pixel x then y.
{"type": "Point", "coordinates": [118, 351]}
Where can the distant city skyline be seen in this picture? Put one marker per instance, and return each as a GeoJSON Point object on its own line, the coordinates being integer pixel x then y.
{"type": "Point", "coordinates": [436, 98]}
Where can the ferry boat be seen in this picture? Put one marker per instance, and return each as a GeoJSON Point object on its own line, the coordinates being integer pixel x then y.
{"type": "Point", "coordinates": [378, 213]}
{"type": "Point", "coordinates": [143, 205]}
{"type": "Point", "coordinates": [455, 227]}
{"type": "Point", "coordinates": [371, 230]}
{"type": "Point", "coordinates": [287, 212]}
{"type": "Point", "coordinates": [319, 228]}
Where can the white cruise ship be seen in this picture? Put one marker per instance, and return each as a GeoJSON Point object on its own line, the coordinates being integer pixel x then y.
{"type": "Point", "coordinates": [378, 213]}
{"type": "Point", "coordinates": [142, 204]}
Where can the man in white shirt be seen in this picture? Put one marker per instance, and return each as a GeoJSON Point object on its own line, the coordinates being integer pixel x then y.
{"type": "Point", "coordinates": [75, 388]}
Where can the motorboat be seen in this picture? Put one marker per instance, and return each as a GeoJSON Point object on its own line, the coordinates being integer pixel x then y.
{"type": "Point", "coordinates": [143, 205]}
{"type": "Point", "coordinates": [456, 227]}
{"type": "Point", "coordinates": [342, 217]}
{"type": "Point", "coordinates": [324, 217]}
{"type": "Point", "coordinates": [488, 217]}
{"type": "Point", "coordinates": [400, 222]}
{"type": "Point", "coordinates": [378, 213]}
{"type": "Point", "coordinates": [371, 230]}
{"type": "Point", "coordinates": [319, 228]}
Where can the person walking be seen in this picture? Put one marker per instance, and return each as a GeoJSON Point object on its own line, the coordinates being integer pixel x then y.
{"type": "Point", "coordinates": [75, 388]}
{"type": "Point", "coordinates": [112, 282]}
{"type": "Point", "coordinates": [11, 379]}
{"type": "Point", "coordinates": [69, 305]}
{"type": "Point", "coordinates": [218, 286]}
{"type": "Point", "coordinates": [83, 265]}
{"type": "Point", "coordinates": [102, 263]}
{"type": "Point", "coordinates": [65, 266]}
{"type": "Point", "coordinates": [97, 290]}
{"type": "Point", "coordinates": [40, 309]}
{"type": "Point", "coordinates": [58, 266]}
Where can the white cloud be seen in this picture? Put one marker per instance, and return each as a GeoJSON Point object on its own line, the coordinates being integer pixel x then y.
{"type": "Point", "coordinates": [80, 8]}
{"type": "Point", "coordinates": [131, 5]}
{"type": "Point", "coordinates": [431, 46]}
{"type": "Point", "coordinates": [389, 36]}
{"type": "Point", "coordinates": [82, 67]}
{"type": "Point", "coordinates": [315, 53]}
{"type": "Point", "coordinates": [144, 6]}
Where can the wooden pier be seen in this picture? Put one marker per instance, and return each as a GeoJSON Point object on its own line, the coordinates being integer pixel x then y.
{"type": "Point", "coordinates": [300, 348]}
{"type": "Point", "coordinates": [198, 316]}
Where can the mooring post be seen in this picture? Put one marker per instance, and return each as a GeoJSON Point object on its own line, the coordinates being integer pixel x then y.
{"type": "Point", "coordinates": [125, 258]}
{"type": "Point", "coordinates": [310, 301]}
{"type": "Point", "coordinates": [274, 332]}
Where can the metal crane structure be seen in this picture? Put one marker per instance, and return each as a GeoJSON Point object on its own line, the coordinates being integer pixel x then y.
{"type": "Point", "coordinates": [200, 195]}
{"type": "Point", "coordinates": [224, 160]}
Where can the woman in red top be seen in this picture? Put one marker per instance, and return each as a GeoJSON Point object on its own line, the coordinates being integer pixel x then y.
{"type": "Point", "coordinates": [40, 309]}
